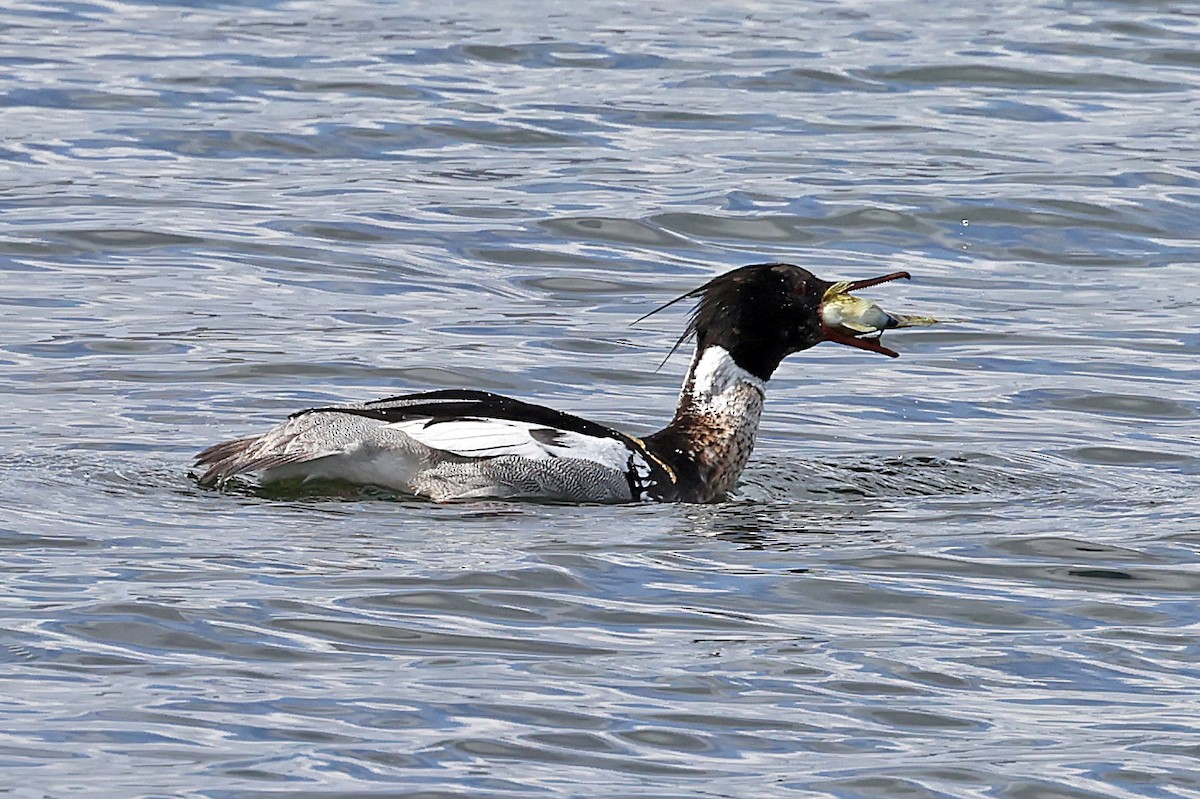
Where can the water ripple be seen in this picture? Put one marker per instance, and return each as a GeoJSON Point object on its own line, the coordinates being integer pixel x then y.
{"type": "Point", "coordinates": [967, 571]}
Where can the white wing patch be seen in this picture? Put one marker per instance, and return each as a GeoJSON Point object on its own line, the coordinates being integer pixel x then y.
{"type": "Point", "coordinates": [489, 438]}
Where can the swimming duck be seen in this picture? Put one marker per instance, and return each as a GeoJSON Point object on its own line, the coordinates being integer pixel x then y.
{"type": "Point", "coordinates": [459, 444]}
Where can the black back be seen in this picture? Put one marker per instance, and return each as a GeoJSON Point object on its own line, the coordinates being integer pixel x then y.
{"type": "Point", "coordinates": [450, 404]}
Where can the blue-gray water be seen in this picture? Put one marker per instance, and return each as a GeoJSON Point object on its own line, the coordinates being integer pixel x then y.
{"type": "Point", "coordinates": [968, 572]}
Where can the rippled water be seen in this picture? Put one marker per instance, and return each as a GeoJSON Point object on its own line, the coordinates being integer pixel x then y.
{"type": "Point", "coordinates": [968, 572]}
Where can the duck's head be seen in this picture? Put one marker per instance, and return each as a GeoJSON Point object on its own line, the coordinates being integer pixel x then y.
{"type": "Point", "coordinates": [762, 313]}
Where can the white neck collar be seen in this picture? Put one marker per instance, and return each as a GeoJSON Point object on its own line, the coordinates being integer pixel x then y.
{"type": "Point", "coordinates": [715, 372]}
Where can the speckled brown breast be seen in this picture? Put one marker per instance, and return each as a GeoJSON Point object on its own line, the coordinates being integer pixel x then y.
{"type": "Point", "coordinates": [709, 446]}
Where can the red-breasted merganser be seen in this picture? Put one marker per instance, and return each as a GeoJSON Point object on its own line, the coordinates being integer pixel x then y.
{"type": "Point", "coordinates": [457, 444]}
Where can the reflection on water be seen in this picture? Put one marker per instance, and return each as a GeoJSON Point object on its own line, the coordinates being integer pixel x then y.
{"type": "Point", "coordinates": [967, 571]}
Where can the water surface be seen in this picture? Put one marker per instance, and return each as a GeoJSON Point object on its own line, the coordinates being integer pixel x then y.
{"type": "Point", "coordinates": [967, 572]}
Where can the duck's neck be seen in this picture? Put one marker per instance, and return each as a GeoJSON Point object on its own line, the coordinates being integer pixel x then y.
{"type": "Point", "coordinates": [712, 433]}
